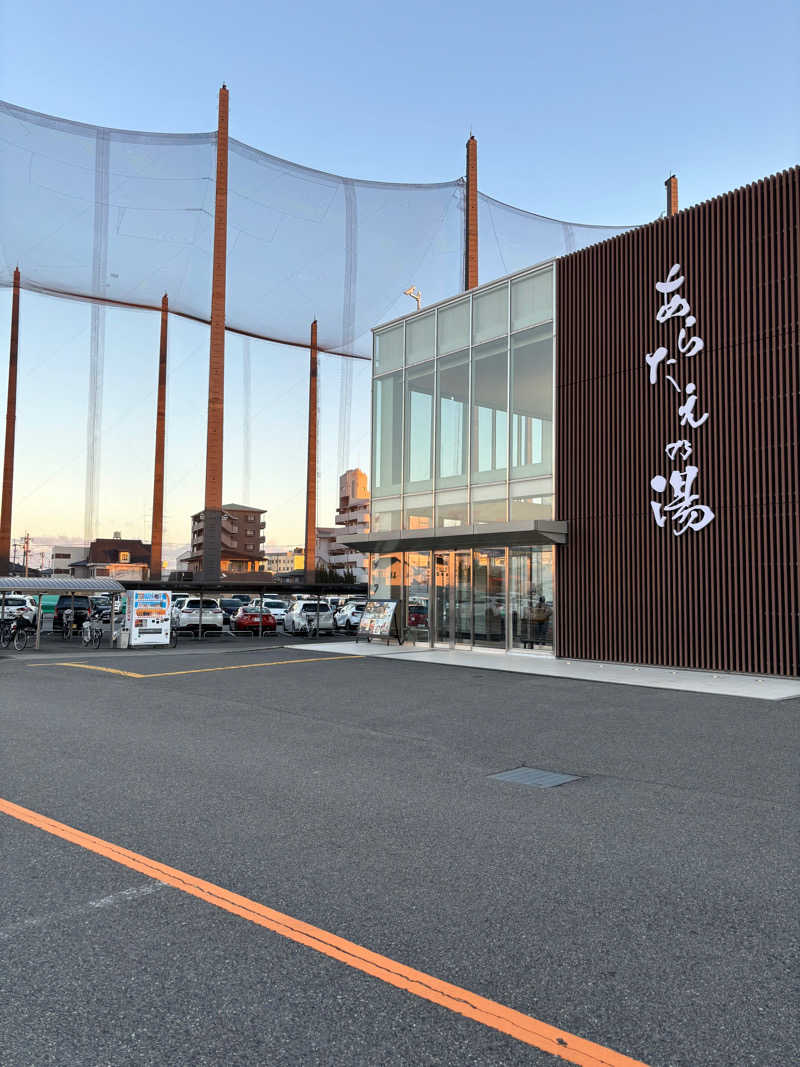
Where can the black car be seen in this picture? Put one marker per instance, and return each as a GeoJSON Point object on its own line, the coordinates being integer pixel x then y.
{"type": "Point", "coordinates": [81, 606]}
{"type": "Point", "coordinates": [101, 608]}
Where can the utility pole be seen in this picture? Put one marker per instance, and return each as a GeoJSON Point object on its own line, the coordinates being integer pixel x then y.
{"type": "Point", "coordinates": [27, 551]}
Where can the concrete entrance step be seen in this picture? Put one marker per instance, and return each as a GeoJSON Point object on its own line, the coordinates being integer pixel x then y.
{"type": "Point", "coordinates": [750, 686]}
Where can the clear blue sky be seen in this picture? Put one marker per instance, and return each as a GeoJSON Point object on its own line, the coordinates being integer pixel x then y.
{"type": "Point", "coordinates": [581, 111]}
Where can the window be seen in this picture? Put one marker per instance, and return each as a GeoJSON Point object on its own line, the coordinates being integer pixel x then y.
{"type": "Point", "coordinates": [387, 445]}
{"type": "Point", "coordinates": [420, 338]}
{"type": "Point", "coordinates": [489, 411]}
{"type": "Point", "coordinates": [61, 555]}
{"type": "Point", "coordinates": [531, 300]}
{"type": "Point", "coordinates": [532, 402]}
{"type": "Point", "coordinates": [451, 413]}
{"type": "Point", "coordinates": [389, 349]}
{"type": "Point", "coordinates": [419, 427]}
{"type": "Point", "coordinates": [453, 328]}
{"type": "Point", "coordinates": [418, 512]}
{"type": "Point", "coordinates": [490, 314]}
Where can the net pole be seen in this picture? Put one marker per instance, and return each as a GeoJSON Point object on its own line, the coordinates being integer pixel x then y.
{"type": "Point", "coordinates": [11, 428]}
{"type": "Point", "coordinates": [212, 533]}
{"type": "Point", "coordinates": [471, 233]}
{"type": "Point", "coordinates": [311, 470]}
{"type": "Point", "coordinates": [157, 531]}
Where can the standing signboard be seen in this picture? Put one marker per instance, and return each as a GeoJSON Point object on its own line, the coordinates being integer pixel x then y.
{"type": "Point", "coordinates": [379, 619]}
{"type": "Point", "coordinates": [147, 617]}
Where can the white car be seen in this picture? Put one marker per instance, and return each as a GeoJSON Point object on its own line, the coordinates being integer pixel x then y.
{"type": "Point", "coordinates": [16, 604]}
{"type": "Point", "coordinates": [276, 608]}
{"type": "Point", "coordinates": [187, 615]}
{"type": "Point", "coordinates": [308, 617]}
{"type": "Point", "coordinates": [349, 616]}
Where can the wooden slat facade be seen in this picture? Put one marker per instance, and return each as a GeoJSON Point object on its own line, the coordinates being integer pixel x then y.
{"type": "Point", "coordinates": [726, 597]}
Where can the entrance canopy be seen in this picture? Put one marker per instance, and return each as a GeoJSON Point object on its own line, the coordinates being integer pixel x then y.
{"type": "Point", "coordinates": [500, 534]}
{"type": "Point", "coordinates": [35, 586]}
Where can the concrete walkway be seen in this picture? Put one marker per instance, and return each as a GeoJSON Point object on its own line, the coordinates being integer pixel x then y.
{"type": "Point", "coordinates": [735, 685]}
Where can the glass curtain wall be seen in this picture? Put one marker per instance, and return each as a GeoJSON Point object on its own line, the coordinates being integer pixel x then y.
{"type": "Point", "coordinates": [463, 400]}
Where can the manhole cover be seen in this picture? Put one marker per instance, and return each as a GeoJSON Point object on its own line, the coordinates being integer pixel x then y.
{"type": "Point", "coordinates": [533, 776]}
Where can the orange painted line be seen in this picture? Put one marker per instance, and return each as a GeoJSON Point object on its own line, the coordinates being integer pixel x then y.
{"type": "Point", "coordinates": [524, 1028]}
{"type": "Point", "coordinates": [192, 670]}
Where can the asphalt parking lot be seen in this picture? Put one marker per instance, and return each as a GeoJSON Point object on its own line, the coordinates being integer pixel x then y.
{"type": "Point", "coordinates": [648, 906]}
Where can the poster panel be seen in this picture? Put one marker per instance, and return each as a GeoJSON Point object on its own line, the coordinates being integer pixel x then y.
{"type": "Point", "coordinates": [376, 619]}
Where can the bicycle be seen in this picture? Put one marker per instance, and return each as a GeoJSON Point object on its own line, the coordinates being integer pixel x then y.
{"type": "Point", "coordinates": [92, 633]}
{"type": "Point", "coordinates": [12, 630]}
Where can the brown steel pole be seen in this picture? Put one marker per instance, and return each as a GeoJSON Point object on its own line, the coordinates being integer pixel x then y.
{"type": "Point", "coordinates": [156, 535]}
{"type": "Point", "coordinates": [672, 195]}
{"type": "Point", "coordinates": [212, 534]}
{"type": "Point", "coordinates": [11, 423]}
{"type": "Point", "coordinates": [311, 471]}
{"type": "Point", "coordinates": [471, 242]}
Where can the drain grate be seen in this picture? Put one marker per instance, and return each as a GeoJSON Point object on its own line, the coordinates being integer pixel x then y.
{"type": "Point", "coordinates": [533, 776]}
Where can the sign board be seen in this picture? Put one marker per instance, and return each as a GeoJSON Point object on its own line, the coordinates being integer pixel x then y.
{"type": "Point", "coordinates": [379, 619]}
{"type": "Point", "coordinates": [147, 617]}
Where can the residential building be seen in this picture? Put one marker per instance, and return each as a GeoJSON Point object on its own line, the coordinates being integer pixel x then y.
{"type": "Point", "coordinates": [63, 557]}
{"type": "Point", "coordinates": [114, 557]}
{"type": "Point", "coordinates": [353, 515]}
{"type": "Point", "coordinates": [242, 539]}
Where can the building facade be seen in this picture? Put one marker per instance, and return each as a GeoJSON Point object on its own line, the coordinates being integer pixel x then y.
{"type": "Point", "coordinates": [63, 557]}
{"type": "Point", "coordinates": [352, 517]}
{"type": "Point", "coordinates": [114, 557]}
{"type": "Point", "coordinates": [242, 538]}
{"type": "Point", "coordinates": [598, 457]}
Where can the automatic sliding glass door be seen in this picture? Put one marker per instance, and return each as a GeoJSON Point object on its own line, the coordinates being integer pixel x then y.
{"type": "Point", "coordinates": [462, 597]}
{"type": "Point", "coordinates": [489, 597]}
{"type": "Point", "coordinates": [443, 614]}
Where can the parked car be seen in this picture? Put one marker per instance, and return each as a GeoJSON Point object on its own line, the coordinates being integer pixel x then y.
{"type": "Point", "coordinates": [349, 615]}
{"type": "Point", "coordinates": [276, 607]}
{"type": "Point", "coordinates": [187, 616]}
{"type": "Point", "coordinates": [230, 605]}
{"type": "Point", "coordinates": [176, 604]}
{"type": "Point", "coordinates": [307, 616]}
{"type": "Point", "coordinates": [246, 619]}
{"type": "Point", "coordinates": [17, 605]}
{"type": "Point", "coordinates": [80, 604]}
{"type": "Point", "coordinates": [101, 607]}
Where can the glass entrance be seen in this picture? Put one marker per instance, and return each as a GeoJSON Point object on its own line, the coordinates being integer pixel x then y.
{"type": "Point", "coordinates": [494, 598]}
{"type": "Point", "coordinates": [531, 598]}
{"type": "Point", "coordinates": [489, 610]}
{"type": "Point", "coordinates": [462, 598]}
{"type": "Point", "coordinates": [453, 614]}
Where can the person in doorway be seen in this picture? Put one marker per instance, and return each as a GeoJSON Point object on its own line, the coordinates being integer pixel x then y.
{"type": "Point", "coordinates": [541, 621]}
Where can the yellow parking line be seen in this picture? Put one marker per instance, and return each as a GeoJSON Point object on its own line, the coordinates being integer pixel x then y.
{"type": "Point", "coordinates": [193, 670]}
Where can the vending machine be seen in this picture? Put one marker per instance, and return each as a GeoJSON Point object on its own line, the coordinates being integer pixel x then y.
{"type": "Point", "coordinates": [147, 617]}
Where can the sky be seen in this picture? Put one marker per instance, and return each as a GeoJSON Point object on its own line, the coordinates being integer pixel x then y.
{"type": "Point", "coordinates": [581, 112]}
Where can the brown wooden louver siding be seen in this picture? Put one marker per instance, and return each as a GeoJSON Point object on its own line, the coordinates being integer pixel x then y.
{"type": "Point", "coordinates": [725, 597]}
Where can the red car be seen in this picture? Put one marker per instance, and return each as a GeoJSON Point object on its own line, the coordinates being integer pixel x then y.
{"type": "Point", "coordinates": [247, 619]}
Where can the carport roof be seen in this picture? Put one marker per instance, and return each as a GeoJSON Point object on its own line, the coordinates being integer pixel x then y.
{"type": "Point", "coordinates": [60, 585]}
